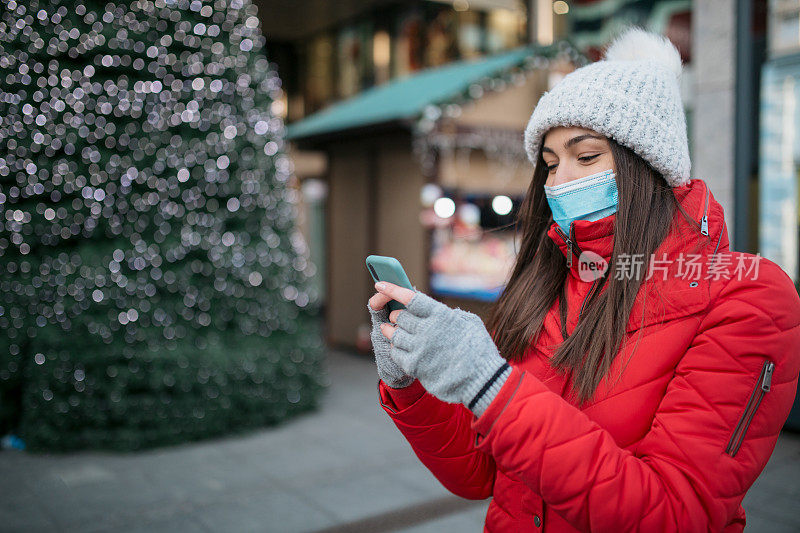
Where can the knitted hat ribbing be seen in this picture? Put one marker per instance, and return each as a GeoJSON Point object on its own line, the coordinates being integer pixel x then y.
{"type": "Point", "coordinates": [632, 96]}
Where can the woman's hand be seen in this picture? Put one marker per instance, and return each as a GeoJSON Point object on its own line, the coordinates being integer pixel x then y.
{"type": "Point", "coordinates": [388, 371]}
{"type": "Point", "coordinates": [402, 295]}
{"type": "Point", "coordinates": [448, 350]}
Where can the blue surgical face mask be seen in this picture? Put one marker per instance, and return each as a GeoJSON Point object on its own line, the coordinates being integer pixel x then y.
{"type": "Point", "coordinates": [588, 198]}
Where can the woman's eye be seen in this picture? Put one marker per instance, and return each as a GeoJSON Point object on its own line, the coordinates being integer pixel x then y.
{"type": "Point", "coordinates": [585, 158]}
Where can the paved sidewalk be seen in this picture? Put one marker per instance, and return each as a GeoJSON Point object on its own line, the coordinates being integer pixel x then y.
{"type": "Point", "coordinates": [343, 468]}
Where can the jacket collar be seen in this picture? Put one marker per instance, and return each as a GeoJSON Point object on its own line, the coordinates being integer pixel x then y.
{"type": "Point", "coordinates": [584, 236]}
{"type": "Point", "coordinates": [705, 234]}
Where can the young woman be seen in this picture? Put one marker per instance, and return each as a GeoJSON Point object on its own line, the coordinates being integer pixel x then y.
{"type": "Point", "coordinates": [638, 372]}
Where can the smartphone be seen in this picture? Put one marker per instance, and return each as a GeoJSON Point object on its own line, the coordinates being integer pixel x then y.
{"type": "Point", "coordinates": [385, 268]}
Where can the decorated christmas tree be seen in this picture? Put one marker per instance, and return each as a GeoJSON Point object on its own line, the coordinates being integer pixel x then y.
{"type": "Point", "coordinates": [154, 286]}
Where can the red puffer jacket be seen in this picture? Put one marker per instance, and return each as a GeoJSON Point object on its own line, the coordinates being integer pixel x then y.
{"type": "Point", "coordinates": [673, 442]}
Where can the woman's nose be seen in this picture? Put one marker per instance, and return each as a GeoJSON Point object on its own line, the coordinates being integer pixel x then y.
{"type": "Point", "coordinates": [563, 175]}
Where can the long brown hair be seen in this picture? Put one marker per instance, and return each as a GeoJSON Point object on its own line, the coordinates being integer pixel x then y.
{"type": "Point", "coordinates": [644, 214]}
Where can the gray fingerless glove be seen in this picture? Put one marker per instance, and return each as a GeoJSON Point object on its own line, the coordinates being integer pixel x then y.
{"type": "Point", "coordinates": [388, 371]}
{"type": "Point", "coordinates": [450, 352]}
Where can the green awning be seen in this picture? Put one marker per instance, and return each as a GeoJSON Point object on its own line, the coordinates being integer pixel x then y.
{"type": "Point", "coordinates": [407, 97]}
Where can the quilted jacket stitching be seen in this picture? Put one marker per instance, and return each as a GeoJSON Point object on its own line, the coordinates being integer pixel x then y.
{"type": "Point", "coordinates": [710, 404]}
{"type": "Point", "coordinates": [763, 313]}
{"type": "Point", "coordinates": [630, 389]}
{"type": "Point", "coordinates": [712, 339]}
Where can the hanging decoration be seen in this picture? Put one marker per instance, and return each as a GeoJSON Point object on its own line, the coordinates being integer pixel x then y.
{"type": "Point", "coordinates": [436, 138]}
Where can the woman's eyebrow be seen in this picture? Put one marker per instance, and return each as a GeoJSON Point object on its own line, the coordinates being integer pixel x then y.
{"type": "Point", "coordinates": [575, 140]}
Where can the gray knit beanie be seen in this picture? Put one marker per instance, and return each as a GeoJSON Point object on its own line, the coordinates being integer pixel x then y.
{"type": "Point", "coordinates": [632, 96]}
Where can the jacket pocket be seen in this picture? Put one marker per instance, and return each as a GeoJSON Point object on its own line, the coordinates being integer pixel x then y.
{"type": "Point", "coordinates": [762, 386]}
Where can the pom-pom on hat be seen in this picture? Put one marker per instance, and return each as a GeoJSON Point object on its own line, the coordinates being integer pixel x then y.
{"type": "Point", "coordinates": [632, 95]}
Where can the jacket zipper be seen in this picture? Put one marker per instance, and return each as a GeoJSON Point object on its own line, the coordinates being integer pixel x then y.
{"type": "Point", "coordinates": [704, 220]}
{"type": "Point", "coordinates": [573, 248]}
{"type": "Point", "coordinates": [703, 225]}
{"type": "Point", "coordinates": [763, 386]}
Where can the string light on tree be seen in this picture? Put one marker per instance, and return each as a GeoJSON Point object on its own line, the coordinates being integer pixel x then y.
{"type": "Point", "coordinates": [147, 222]}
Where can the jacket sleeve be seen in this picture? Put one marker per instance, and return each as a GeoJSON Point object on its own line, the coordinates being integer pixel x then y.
{"type": "Point", "coordinates": [679, 477]}
{"type": "Point", "coordinates": [442, 437]}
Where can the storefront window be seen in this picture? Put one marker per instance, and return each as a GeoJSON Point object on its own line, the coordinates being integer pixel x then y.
{"type": "Point", "coordinates": [408, 44]}
{"type": "Point", "coordinates": [350, 49]}
{"type": "Point", "coordinates": [779, 163]}
{"type": "Point", "coordinates": [503, 29]}
{"type": "Point", "coordinates": [319, 69]}
{"type": "Point", "coordinates": [472, 254]}
{"type": "Point", "coordinates": [396, 41]}
{"type": "Point", "coordinates": [381, 56]}
{"type": "Point", "coordinates": [784, 27]}
{"type": "Point", "coordinates": [470, 34]}
{"type": "Point", "coordinates": [441, 39]}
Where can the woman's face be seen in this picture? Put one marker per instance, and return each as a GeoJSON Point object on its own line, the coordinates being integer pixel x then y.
{"type": "Point", "coordinates": [572, 152]}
